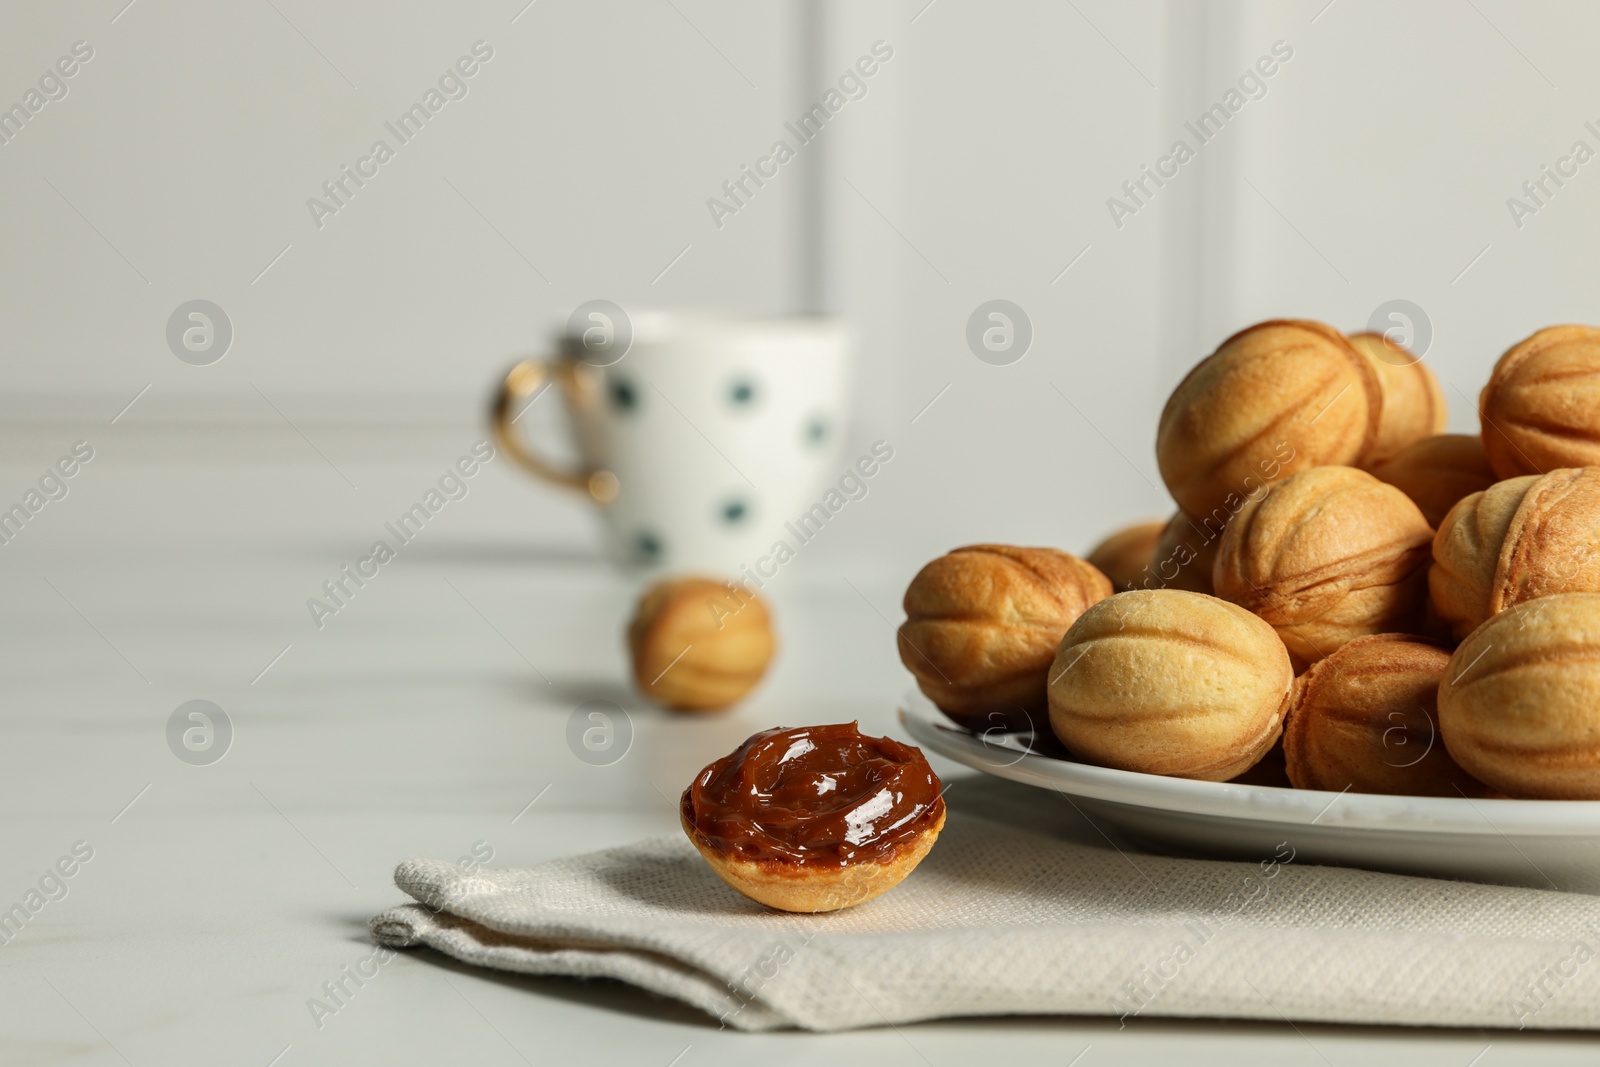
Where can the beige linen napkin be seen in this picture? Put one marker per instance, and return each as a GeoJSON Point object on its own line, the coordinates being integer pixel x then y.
{"type": "Point", "coordinates": [1024, 907]}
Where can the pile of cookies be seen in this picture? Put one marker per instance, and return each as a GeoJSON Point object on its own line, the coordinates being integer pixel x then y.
{"type": "Point", "coordinates": [1347, 596]}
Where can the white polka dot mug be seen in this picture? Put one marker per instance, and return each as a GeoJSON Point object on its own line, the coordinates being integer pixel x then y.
{"type": "Point", "coordinates": [698, 437]}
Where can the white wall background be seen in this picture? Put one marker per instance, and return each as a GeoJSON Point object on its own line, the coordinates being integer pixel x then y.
{"type": "Point", "coordinates": [978, 166]}
{"type": "Point", "coordinates": [194, 138]}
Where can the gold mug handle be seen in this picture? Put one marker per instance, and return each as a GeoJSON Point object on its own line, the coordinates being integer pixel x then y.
{"type": "Point", "coordinates": [523, 381]}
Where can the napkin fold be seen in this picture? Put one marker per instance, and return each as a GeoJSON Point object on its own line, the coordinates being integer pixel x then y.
{"type": "Point", "coordinates": [1025, 907]}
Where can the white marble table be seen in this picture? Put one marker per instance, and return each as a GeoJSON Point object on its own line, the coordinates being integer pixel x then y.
{"type": "Point", "coordinates": [424, 719]}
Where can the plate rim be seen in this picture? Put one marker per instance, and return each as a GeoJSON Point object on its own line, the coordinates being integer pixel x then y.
{"type": "Point", "coordinates": [1258, 803]}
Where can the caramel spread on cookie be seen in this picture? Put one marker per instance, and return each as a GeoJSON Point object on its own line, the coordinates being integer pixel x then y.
{"type": "Point", "coordinates": [816, 796]}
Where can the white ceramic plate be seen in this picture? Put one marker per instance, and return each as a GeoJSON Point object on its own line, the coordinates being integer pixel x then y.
{"type": "Point", "coordinates": [1540, 843]}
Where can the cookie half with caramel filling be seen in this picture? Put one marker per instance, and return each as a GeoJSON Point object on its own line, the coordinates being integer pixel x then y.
{"type": "Point", "coordinates": [814, 818]}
